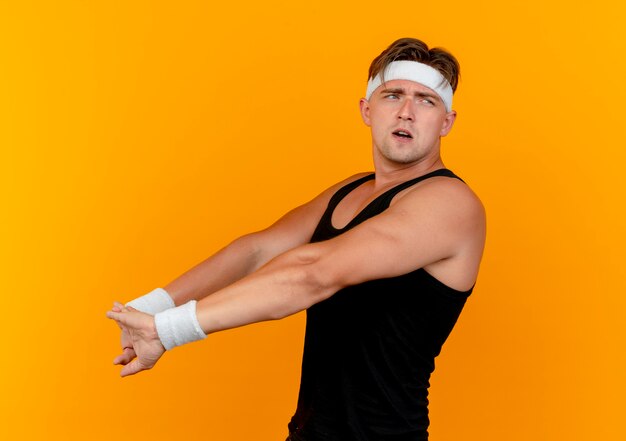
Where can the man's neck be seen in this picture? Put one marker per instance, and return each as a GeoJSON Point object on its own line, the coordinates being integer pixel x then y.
{"type": "Point", "coordinates": [388, 173]}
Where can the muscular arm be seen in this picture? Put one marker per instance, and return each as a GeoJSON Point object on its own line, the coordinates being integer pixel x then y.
{"type": "Point", "coordinates": [439, 226]}
{"type": "Point", "coordinates": [250, 252]}
{"type": "Point", "coordinates": [436, 223]}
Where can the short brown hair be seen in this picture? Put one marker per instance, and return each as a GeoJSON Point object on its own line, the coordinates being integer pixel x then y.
{"type": "Point", "coordinates": [413, 49]}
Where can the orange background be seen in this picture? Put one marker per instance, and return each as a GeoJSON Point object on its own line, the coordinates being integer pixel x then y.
{"type": "Point", "coordinates": [139, 137]}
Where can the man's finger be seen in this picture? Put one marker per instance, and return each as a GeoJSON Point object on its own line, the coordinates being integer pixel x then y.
{"type": "Point", "coordinates": [132, 368]}
{"type": "Point", "coordinates": [123, 359]}
{"type": "Point", "coordinates": [126, 357]}
{"type": "Point", "coordinates": [122, 319]}
{"type": "Point", "coordinates": [117, 307]}
{"type": "Point", "coordinates": [131, 319]}
{"type": "Point", "coordinates": [114, 315]}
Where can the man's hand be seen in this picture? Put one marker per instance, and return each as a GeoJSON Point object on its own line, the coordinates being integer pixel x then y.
{"type": "Point", "coordinates": [128, 352]}
{"type": "Point", "coordinates": [139, 338]}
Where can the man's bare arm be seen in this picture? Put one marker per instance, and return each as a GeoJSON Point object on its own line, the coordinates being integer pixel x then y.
{"type": "Point", "coordinates": [439, 223]}
{"type": "Point", "coordinates": [237, 260]}
{"type": "Point", "coordinates": [436, 223]}
{"type": "Point", "coordinates": [248, 253]}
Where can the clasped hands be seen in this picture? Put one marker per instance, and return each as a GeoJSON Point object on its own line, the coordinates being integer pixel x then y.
{"type": "Point", "coordinates": [141, 346]}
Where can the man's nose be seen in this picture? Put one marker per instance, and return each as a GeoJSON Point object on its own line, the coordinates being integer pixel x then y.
{"type": "Point", "coordinates": [406, 111]}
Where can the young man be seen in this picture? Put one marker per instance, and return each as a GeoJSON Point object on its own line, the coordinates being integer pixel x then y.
{"type": "Point", "coordinates": [382, 262]}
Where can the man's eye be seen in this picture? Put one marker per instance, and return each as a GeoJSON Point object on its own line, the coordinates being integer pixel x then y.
{"type": "Point", "coordinates": [429, 102]}
{"type": "Point", "coordinates": [392, 96]}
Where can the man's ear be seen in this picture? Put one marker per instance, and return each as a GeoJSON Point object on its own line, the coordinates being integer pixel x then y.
{"type": "Point", "coordinates": [364, 105]}
{"type": "Point", "coordinates": [448, 123]}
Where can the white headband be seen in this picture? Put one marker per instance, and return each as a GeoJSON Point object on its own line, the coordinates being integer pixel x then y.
{"type": "Point", "coordinates": [414, 71]}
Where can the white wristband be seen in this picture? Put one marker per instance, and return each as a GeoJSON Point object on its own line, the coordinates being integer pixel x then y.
{"type": "Point", "coordinates": [155, 301]}
{"type": "Point", "coordinates": [179, 325]}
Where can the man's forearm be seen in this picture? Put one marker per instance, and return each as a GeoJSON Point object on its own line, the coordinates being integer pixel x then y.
{"type": "Point", "coordinates": [225, 267]}
{"type": "Point", "coordinates": [288, 284]}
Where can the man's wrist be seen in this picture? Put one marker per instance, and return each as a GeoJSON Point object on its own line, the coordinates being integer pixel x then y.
{"type": "Point", "coordinates": [177, 326]}
{"type": "Point", "coordinates": [155, 301]}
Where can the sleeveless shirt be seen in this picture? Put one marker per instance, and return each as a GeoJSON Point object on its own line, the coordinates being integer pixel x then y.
{"type": "Point", "coordinates": [369, 349]}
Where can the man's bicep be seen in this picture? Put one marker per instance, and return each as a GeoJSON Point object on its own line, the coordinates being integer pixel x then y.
{"type": "Point", "coordinates": [293, 229]}
{"type": "Point", "coordinates": [403, 238]}
{"type": "Point", "coordinates": [296, 227]}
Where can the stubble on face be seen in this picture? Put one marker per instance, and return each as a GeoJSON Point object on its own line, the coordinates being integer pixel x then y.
{"type": "Point", "coordinates": [404, 152]}
{"type": "Point", "coordinates": [401, 155]}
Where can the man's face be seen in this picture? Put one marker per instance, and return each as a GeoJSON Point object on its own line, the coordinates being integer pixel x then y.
{"type": "Point", "coordinates": [407, 119]}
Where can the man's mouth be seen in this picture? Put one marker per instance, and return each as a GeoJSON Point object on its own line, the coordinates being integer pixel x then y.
{"type": "Point", "coordinates": [402, 134]}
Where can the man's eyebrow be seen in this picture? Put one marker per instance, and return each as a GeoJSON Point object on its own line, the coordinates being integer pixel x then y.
{"type": "Point", "coordinates": [397, 90]}
{"type": "Point", "coordinates": [428, 95]}
{"type": "Point", "coordinates": [400, 91]}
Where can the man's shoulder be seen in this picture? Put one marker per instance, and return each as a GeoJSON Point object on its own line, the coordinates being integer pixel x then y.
{"type": "Point", "coordinates": [337, 186]}
{"type": "Point", "coordinates": [442, 195]}
{"type": "Point", "coordinates": [354, 177]}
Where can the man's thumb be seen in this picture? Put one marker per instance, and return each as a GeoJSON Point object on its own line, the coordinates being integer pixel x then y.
{"type": "Point", "coordinates": [131, 368]}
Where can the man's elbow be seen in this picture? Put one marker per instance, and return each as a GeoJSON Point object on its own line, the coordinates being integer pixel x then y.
{"type": "Point", "coordinates": [319, 271]}
{"type": "Point", "coordinates": [308, 278]}
{"type": "Point", "coordinates": [318, 280]}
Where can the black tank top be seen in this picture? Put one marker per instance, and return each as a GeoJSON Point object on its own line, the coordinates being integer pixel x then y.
{"type": "Point", "coordinates": [369, 349]}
